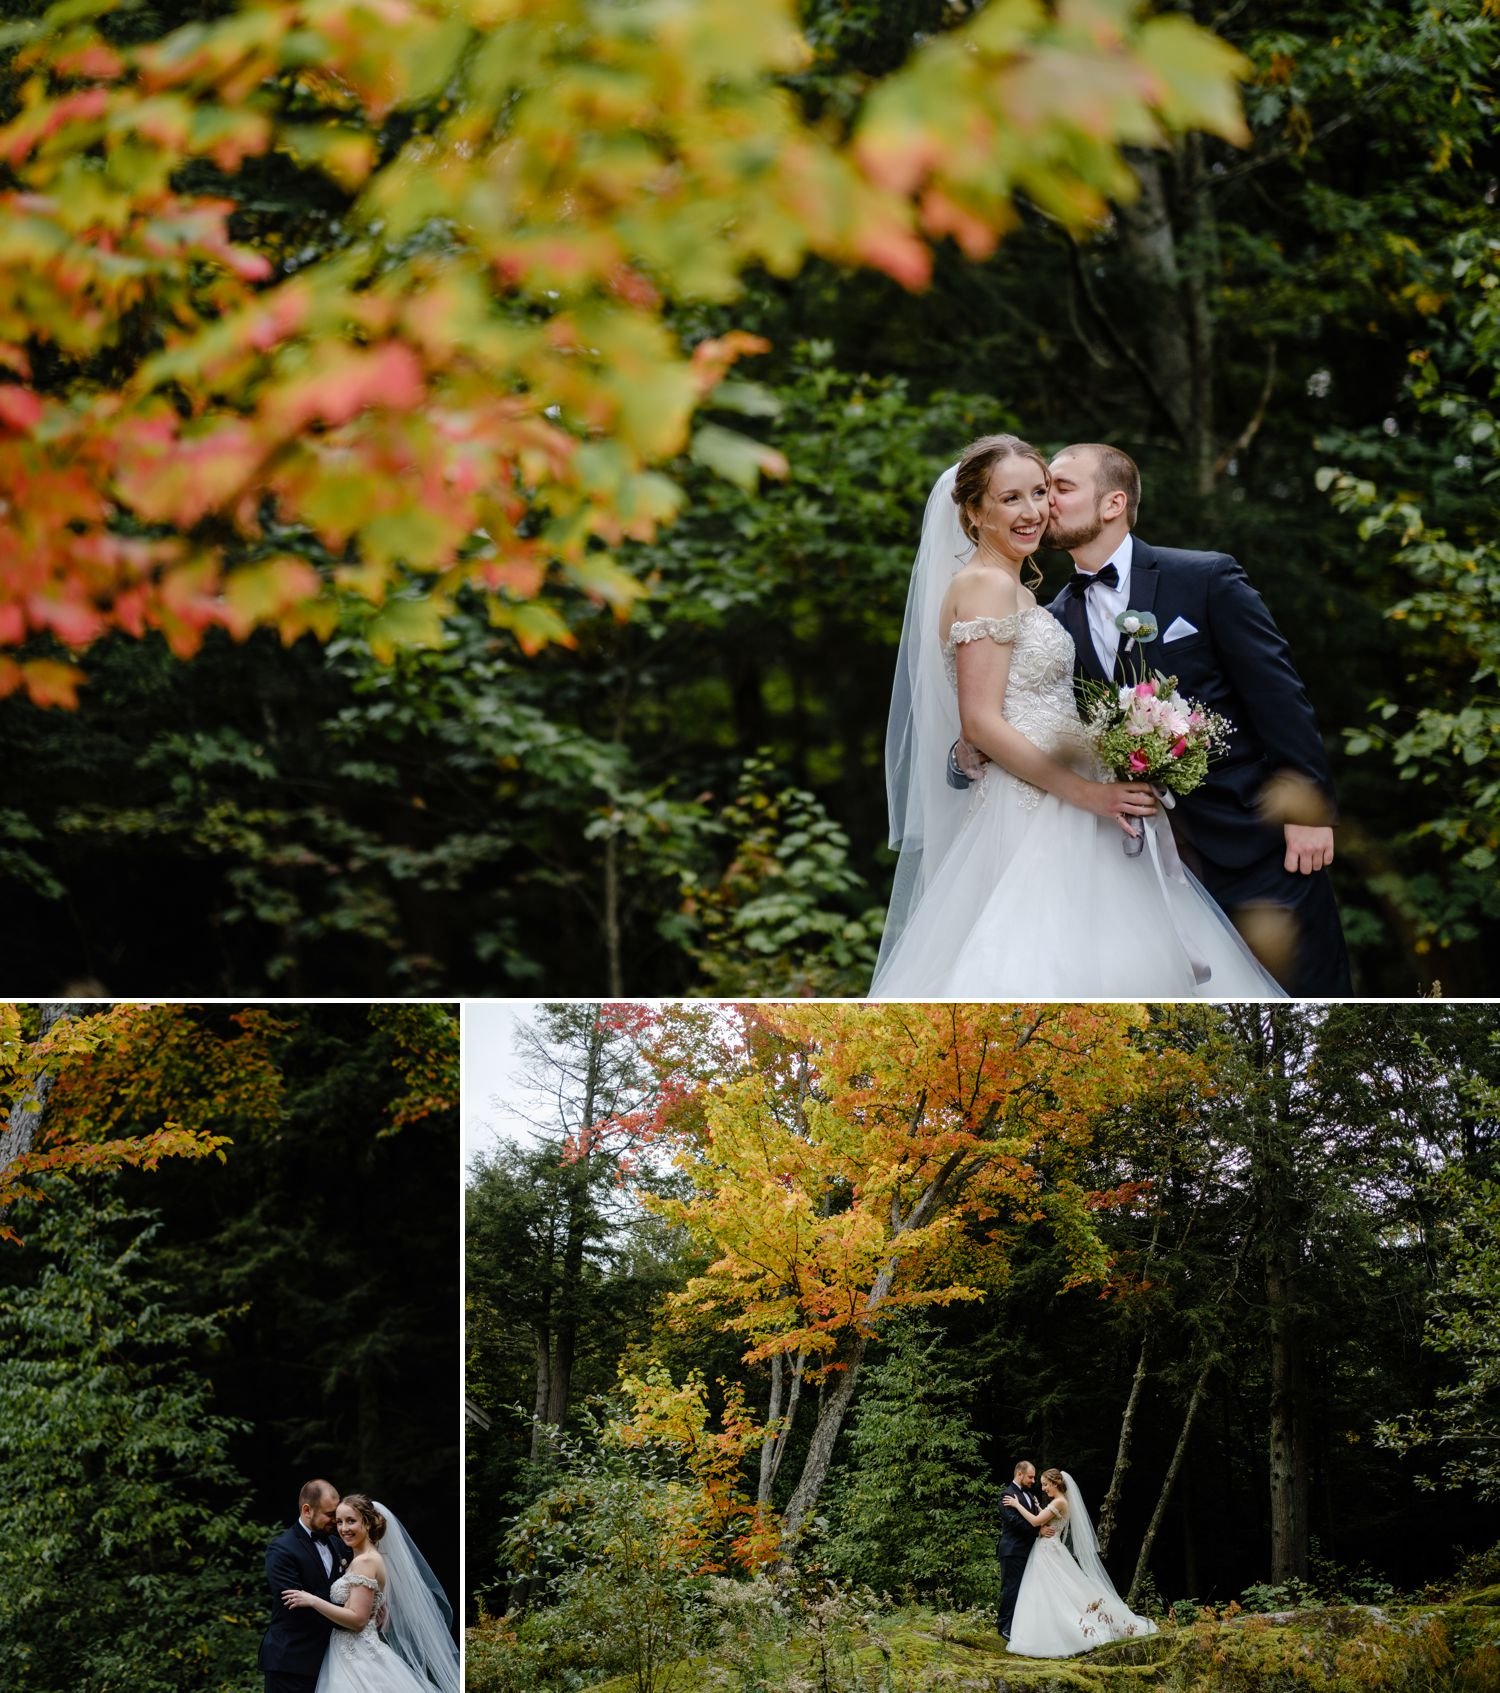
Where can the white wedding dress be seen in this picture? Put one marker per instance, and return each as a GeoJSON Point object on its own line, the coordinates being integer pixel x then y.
{"type": "Point", "coordinates": [359, 1661]}
{"type": "Point", "coordinates": [417, 1654]}
{"type": "Point", "coordinates": [1026, 897]}
{"type": "Point", "coordinates": [1066, 1606]}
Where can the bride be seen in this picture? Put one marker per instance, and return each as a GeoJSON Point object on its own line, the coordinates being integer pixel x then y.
{"type": "Point", "coordinates": [1067, 1603]}
{"type": "Point", "coordinates": [1020, 887]}
{"type": "Point", "coordinates": [386, 1590]}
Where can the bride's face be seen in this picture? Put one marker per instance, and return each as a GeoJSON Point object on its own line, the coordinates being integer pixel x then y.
{"type": "Point", "coordinates": [1050, 1489]}
{"type": "Point", "coordinates": [1013, 515]}
{"type": "Point", "coordinates": [350, 1527]}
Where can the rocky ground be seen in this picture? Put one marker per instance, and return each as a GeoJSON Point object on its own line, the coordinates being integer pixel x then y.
{"type": "Point", "coordinates": [1447, 1647]}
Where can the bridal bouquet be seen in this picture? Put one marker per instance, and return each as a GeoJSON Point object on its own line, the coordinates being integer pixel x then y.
{"type": "Point", "coordinates": [1147, 732]}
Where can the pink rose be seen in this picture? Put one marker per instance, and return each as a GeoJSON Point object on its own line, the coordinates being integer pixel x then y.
{"type": "Point", "coordinates": [1139, 762]}
{"type": "Point", "coordinates": [1179, 749]}
{"type": "Point", "coordinates": [1145, 687]}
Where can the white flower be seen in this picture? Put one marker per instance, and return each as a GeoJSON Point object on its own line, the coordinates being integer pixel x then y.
{"type": "Point", "coordinates": [1131, 626]}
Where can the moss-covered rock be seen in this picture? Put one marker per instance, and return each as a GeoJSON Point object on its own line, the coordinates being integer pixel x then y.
{"type": "Point", "coordinates": [1450, 1647]}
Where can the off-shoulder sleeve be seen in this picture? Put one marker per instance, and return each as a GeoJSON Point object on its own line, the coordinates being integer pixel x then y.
{"type": "Point", "coordinates": [1002, 629]}
{"type": "Point", "coordinates": [364, 1581]}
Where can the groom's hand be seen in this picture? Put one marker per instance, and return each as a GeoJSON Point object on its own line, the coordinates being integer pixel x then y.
{"type": "Point", "coordinates": [1046, 1533]}
{"type": "Point", "coordinates": [1307, 848]}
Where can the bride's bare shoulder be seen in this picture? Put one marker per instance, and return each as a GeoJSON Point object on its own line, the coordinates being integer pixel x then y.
{"type": "Point", "coordinates": [980, 591]}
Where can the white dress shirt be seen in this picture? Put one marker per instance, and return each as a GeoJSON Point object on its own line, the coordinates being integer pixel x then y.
{"type": "Point", "coordinates": [1105, 604]}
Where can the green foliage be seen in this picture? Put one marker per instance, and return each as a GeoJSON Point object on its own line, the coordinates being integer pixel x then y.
{"type": "Point", "coordinates": [612, 1550]}
{"type": "Point", "coordinates": [127, 1561]}
{"type": "Point", "coordinates": [1462, 1428]}
{"type": "Point", "coordinates": [788, 914]}
{"type": "Point", "coordinates": [1293, 1594]}
{"type": "Point", "coordinates": [915, 1509]}
{"type": "Point", "coordinates": [1440, 732]}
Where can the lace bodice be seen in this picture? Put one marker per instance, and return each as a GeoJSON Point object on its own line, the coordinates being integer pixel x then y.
{"type": "Point", "coordinates": [1039, 698]}
{"type": "Point", "coordinates": [355, 1645]}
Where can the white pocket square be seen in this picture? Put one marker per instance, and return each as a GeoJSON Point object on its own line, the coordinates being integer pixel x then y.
{"type": "Point", "coordinates": [1178, 628]}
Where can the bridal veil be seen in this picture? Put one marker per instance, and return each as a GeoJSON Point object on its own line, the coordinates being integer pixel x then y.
{"type": "Point", "coordinates": [925, 812]}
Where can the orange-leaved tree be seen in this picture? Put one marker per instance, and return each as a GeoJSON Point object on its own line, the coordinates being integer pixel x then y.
{"type": "Point", "coordinates": [86, 1088]}
{"type": "Point", "coordinates": [472, 378]}
{"type": "Point", "coordinates": [861, 1158]}
{"type": "Point", "coordinates": [723, 1528]}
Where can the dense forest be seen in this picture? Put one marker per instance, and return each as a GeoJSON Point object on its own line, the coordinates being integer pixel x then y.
{"type": "Point", "coordinates": [1296, 337]}
{"type": "Point", "coordinates": [228, 1266]}
{"type": "Point", "coordinates": [766, 1305]}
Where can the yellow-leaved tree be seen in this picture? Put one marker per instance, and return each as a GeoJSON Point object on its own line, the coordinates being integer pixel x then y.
{"type": "Point", "coordinates": [858, 1159]}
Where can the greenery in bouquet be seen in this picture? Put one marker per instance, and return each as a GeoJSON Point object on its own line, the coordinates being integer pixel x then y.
{"type": "Point", "coordinates": [1147, 732]}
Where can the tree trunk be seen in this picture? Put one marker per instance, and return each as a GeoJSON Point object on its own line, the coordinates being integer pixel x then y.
{"type": "Point", "coordinates": [780, 1426]}
{"type": "Point", "coordinates": [1107, 1510]}
{"type": "Point", "coordinates": [614, 962]}
{"type": "Point", "coordinates": [773, 1419]}
{"type": "Point", "coordinates": [543, 1394]}
{"type": "Point", "coordinates": [19, 1133]}
{"type": "Point", "coordinates": [1200, 241]}
{"type": "Point", "coordinates": [1286, 1445]}
{"type": "Point", "coordinates": [1173, 262]}
{"type": "Point", "coordinates": [1111, 1503]}
{"type": "Point", "coordinates": [1200, 1387]}
{"type": "Point", "coordinates": [569, 1305]}
{"type": "Point", "coordinates": [1150, 244]}
{"type": "Point", "coordinates": [831, 1416]}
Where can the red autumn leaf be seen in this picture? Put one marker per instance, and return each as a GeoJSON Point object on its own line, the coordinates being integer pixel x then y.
{"type": "Point", "coordinates": [20, 409]}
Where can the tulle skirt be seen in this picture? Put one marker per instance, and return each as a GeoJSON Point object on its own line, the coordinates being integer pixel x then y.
{"type": "Point", "coordinates": [1058, 1613]}
{"type": "Point", "coordinates": [1036, 899]}
{"type": "Point", "coordinates": [365, 1664]}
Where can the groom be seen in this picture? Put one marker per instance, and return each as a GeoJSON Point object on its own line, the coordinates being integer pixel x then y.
{"type": "Point", "coordinates": [1017, 1537]}
{"type": "Point", "coordinates": [309, 1556]}
{"type": "Point", "coordinates": [1219, 640]}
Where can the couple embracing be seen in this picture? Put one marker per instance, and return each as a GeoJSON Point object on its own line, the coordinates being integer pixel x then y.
{"type": "Point", "coordinates": [354, 1606]}
{"type": "Point", "coordinates": [1031, 866]}
{"type": "Point", "coordinates": [1056, 1598]}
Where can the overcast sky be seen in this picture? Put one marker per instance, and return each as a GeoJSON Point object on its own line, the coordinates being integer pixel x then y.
{"type": "Point", "coordinates": [490, 1063]}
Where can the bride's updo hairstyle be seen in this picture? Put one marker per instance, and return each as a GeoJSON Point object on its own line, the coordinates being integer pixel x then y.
{"type": "Point", "coordinates": [1056, 1478]}
{"type": "Point", "coordinates": [971, 480]}
{"type": "Point", "coordinates": [364, 1508]}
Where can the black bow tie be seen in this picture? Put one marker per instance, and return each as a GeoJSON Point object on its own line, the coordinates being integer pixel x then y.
{"type": "Point", "coordinates": [1084, 580]}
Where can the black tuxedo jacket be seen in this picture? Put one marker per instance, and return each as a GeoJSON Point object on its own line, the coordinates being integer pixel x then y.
{"type": "Point", "coordinates": [1238, 663]}
{"type": "Point", "coordinates": [294, 1641]}
{"type": "Point", "coordinates": [1016, 1534]}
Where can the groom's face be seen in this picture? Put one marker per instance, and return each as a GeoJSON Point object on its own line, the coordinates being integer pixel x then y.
{"type": "Point", "coordinates": [1026, 1477]}
{"type": "Point", "coordinates": [1073, 501]}
{"type": "Point", "coordinates": [319, 1517]}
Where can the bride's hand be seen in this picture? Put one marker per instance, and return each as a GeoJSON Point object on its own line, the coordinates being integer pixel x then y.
{"type": "Point", "coordinates": [1123, 801]}
{"type": "Point", "coordinates": [295, 1598]}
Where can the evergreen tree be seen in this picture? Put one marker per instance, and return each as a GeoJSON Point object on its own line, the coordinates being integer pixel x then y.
{"type": "Point", "coordinates": [916, 1508]}
{"type": "Point", "coordinates": [127, 1561]}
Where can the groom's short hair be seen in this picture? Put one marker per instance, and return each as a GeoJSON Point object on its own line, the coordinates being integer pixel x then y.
{"type": "Point", "coordinates": [1114, 469]}
{"type": "Point", "coordinates": [1022, 1464]}
{"type": "Point", "coordinates": [312, 1493]}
